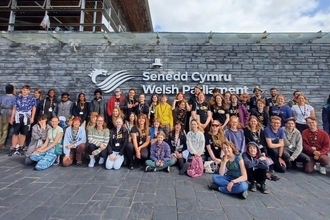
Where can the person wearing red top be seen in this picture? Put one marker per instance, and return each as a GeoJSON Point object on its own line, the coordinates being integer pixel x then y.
{"type": "Point", "coordinates": [316, 145]}
{"type": "Point", "coordinates": [116, 100]}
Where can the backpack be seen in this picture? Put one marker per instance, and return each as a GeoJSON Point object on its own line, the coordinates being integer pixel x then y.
{"type": "Point", "coordinates": [196, 167]}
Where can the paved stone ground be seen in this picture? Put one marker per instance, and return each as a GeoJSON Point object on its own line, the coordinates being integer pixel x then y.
{"type": "Point", "coordinates": [95, 193]}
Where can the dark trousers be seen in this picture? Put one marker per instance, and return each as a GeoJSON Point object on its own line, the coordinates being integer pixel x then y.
{"type": "Point", "coordinates": [257, 175]}
{"type": "Point", "coordinates": [303, 158]}
{"type": "Point", "coordinates": [323, 160]}
{"type": "Point", "coordinates": [92, 147]}
{"type": "Point", "coordinates": [130, 151]}
{"type": "Point", "coordinates": [273, 153]}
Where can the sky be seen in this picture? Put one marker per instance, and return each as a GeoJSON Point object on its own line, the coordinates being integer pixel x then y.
{"type": "Point", "coordinates": [253, 16]}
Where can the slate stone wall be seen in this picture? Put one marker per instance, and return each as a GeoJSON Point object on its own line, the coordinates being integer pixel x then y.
{"type": "Point", "coordinates": [66, 67]}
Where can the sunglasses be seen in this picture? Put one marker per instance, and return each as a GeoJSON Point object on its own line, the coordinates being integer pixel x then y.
{"type": "Point", "coordinates": [215, 125]}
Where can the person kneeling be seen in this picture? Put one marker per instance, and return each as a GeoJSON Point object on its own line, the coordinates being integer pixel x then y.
{"type": "Point", "coordinates": [160, 155]}
{"type": "Point", "coordinates": [256, 167]}
{"type": "Point", "coordinates": [233, 176]}
{"type": "Point", "coordinates": [74, 143]}
{"type": "Point", "coordinates": [45, 155]}
{"type": "Point", "coordinates": [117, 144]}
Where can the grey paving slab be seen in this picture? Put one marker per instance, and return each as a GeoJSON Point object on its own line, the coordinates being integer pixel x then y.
{"type": "Point", "coordinates": [96, 193]}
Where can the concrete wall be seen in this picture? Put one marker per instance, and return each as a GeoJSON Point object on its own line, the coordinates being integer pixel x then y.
{"type": "Point", "coordinates": [66, 67]}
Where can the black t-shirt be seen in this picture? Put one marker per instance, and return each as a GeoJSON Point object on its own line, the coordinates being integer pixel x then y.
{"type": "Point", "coordinates": [141, 138]}
{"type": "Point", "coordinates": [263, 117]}
{"type": "Point", "coordinates": [214, 147]}
{"type": "Point", "coordinates": [253, 102]}
{"type": "Point", "coordinates": [201, 110]}
{"type": "Point", "coordinates": [233, 110]}
{"type": "Point", "coordinates": [219, 113]}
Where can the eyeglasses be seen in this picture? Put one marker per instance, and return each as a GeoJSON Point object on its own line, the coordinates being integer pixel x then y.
{"type": "Point", "coordinates": [215, 125]}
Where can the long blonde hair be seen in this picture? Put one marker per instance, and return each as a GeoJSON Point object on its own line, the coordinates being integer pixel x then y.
{"type": "Point", "coordinates": [120, 115]}
{"type": "Point", "coordinates": [219, 138]}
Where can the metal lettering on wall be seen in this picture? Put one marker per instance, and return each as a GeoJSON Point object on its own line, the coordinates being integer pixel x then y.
{"type": "Point", "coordinates": [181, 81]}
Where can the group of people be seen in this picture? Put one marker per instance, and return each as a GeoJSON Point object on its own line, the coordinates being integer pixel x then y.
{"type": "Point", "coordinates": [245, 138]}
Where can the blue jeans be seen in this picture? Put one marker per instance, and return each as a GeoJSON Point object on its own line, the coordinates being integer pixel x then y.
{"type": "Point", "coordinates": [44, 159]}
{"type": "Point", "coordinates": [222, 182]}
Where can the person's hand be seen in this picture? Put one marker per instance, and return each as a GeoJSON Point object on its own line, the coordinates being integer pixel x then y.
{"type": "Point", "coordinates": [157, 163]}
{"type": "Point", "coordinates": [217, 161]}
{"type": "Point", "coordinates": [317, 153]}
{"type": "Point", "coordinates": [281, 161]}
{"type": "Point", "coordinates": [197, 155]}
{"type": "Point", "coordinates": [11, 121]}
{"type": "Point", "coordinates": [39, 150]}
{"type": "Point", "coordinates": [225, 158]}
{"type": "Point", "coordinates": [203, 125]}
{"type": "Point", "coordinates": [43, 125]}
{"type": "Point", "coordinates": [138, 154]}
{"type": "Point", "coordinates": [230, 186]}
{"type": "Point", "coordinates": [291, 159]}
{"type": "Point", "coordinates": [102, 146]}
{"type": "Point", "coordinates": [161, 164]}
{"type": "Point", "coordinates": [316, 157]}
{"type": "Point", "coordinates": [129, 106]}
{"type": "Point", "coordinates": [262, 158]}
{"type": "Point", "coordinates": [31, 120]}
{"type": "Point", "coordinates": [117, 157]}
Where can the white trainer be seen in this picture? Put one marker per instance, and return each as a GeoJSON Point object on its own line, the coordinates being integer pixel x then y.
{"type": "Point", "coordinates": [92, 161]}
{"type": "Point", "coordinates": [101, 161]}
{"type": "Point", "coordinates": [323, 170]}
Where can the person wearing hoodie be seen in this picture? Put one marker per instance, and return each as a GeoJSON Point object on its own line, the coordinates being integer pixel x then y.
{"type": "Point", "coordinates": [256, 167]}
{"type": "Point", "coordinates": [74, 143]}
{"type": "Point", "coordinates": [293, 144]}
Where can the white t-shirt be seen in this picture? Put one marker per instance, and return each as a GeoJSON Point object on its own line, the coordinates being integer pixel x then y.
{"type": "Point", "coordinates": [301, 113]}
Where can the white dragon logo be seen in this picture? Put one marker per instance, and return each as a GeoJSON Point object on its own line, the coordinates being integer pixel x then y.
{"type": "Point", "coordinates": [113, 81]}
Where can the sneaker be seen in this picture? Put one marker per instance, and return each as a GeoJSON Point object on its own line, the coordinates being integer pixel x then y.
{"type": "Point", "coordinates": [244, 194]}
{"type": "Point", "coordinates": [101, 160]}
{"type": "Point", "coordinates": [264, 189]}
{"type": "Point", "coordinates": [184, 168]}
{"type": "Point", "coordinates": [131, 167]}
{"type": "Point", "coordinates": [323, 170]}
{"type": "Point", "coordinates": [20, 151]}
{"type": "Point", "coordinates": [92, 161]}
{"type": "Point", "coordinates": [57, 161]}
{"type": "Point", "coordinates": [149, 169]}
{"type": "Point", "coordinates": [316, 167]}
{"type": "Point", "coordinates": [213, 186]}
{"type": "Point", "coordinates": [253, 187]}
{"type": "Point", "coordinates": [12, 152]}
{"type": "Point", "coordinates": [28, 161]}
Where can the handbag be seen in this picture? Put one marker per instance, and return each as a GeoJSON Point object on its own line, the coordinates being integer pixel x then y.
{"type": "Point", "coordinates": [58, 149]}
{"type": "Point", "coordinates": [210, 167]}
{"type": "Point", "coordinates": [196, 167]}
{"type": "Point", "coordinates": [269, 161]}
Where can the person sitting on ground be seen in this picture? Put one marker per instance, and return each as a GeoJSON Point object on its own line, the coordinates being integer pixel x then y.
{"type": "Point", "coordinates": [177, 142]}
{"type": "Point", "coordinates": [98, 139]}
{"type": "Point", "coordinates": [116, 147]}
{"type": "Point", "coordinates": [74, 143]}
{"type": "Point", "coordinates": [326, 116]}
{"type": "Point", "coordinates": [235, 134]}
{"type": "Point", "coordinates": [256, 167]}
{"type": "Point", "coordinates": [316, 145]}
{"type": "Point", "coordinates": [274, 135]}
{"type": "Point", "coordinates": [160, 155]}
{"type": "Point", "coordinates": [302, 111]}
{"type": "Point", "coordinates": [195, 144]}
{"type": "Point", "coordinates": [45, 155]}
{"type": "Point", "coordinates": [293, 144]}
{"type": "Point", "coordinates": [38, 137]}
{"type": "Point", "coordinates": [154, 129]}
{"type": "Point", "coordinates": [214, 140]}
{"type": "Point", "coordinates": [232, 177]}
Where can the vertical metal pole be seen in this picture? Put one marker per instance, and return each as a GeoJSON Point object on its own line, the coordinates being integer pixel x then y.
{"type": "Point", "coordinates": [12, 16]}
{"type": "Point", "coordinates": [94, 15]}
{"type": "Point", "coordinates": [82, 15]}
